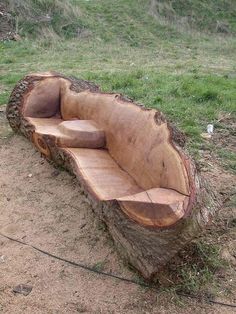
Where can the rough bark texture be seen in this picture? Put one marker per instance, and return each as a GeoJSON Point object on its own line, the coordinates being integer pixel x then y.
{"type": "Point", "coordinates": [147, 249]}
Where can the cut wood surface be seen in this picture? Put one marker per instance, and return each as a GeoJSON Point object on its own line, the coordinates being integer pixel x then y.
{"type": "Point", "coordinates": [75, 133]}
{"type": "Point", "coordinates": [128, 159]}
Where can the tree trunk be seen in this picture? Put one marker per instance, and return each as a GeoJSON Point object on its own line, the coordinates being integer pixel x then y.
{"type": "Point", "coordinates": [147, 244]}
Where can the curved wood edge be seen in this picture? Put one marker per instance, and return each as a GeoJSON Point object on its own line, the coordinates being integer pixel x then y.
{"type": "Point", "coordinates": [147, 249]}
{"type": "Point", "coordinates": [15, 106]}
{"type": "Point", "coordinates": [157, 207]}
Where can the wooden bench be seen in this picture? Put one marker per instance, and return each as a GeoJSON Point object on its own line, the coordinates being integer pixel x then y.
{"type": "Point", "coordinates": [128, 159]}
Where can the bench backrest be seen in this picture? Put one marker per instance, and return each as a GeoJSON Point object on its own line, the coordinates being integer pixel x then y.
{"type": "Point", "coordinates": [136, 140]}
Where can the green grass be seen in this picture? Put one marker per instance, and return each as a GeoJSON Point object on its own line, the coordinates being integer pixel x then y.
{"type": "Point", "coordinates": [191, 94]}
{"type": "Point", "coordinates": [199, 15]}
{"type": "Point", "coordinates": [4, 97]}
{"type": "Point", "coordinates": [99, 266]}
{"type": "Point", "coordinates": [138, 22]}
{"type": "Point", "coordinates": [228, 159]}
{"type": "Point", "coordinates": [104, 19]}
{"type": "Point", "coordinates": [197, 274]}
{"type": "Point", "coordinates": [200, 263]}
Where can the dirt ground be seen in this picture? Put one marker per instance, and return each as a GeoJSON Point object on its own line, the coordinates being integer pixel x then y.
{"type": "Point", "coordinates": [44, 207]}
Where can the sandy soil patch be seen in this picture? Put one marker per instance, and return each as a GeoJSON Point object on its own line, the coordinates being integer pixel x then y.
{"type": "Point", "coordinates": [43, 206]}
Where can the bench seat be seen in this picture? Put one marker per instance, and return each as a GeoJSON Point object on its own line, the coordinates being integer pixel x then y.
{"type": "Point", "coordinates": [102, 175]}
{"type": "Point", "coordinates": [72, 133]}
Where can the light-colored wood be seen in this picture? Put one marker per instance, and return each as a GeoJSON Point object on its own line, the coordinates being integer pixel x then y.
{"type": "Point", "coordinates": [44, 99]}
{"type": "Point", "coordinates": [75, 133]}
{"type": "Point", "coordinates": [47, 126]}
{"type": "Point", "coordinates": [102, 175]}
{"type": "Point", "coordinates": [139, 144]}
{"type": "Point", "coordinates": [85, 133]}
{"type": "Point", "coordinates": [104, 178]}
{"type": "Point", "coordinates": [156, 207]}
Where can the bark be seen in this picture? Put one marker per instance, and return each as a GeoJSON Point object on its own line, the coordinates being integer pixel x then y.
{"type": "Point", "coordinates": [147, 249]}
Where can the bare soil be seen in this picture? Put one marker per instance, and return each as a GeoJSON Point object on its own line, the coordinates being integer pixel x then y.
{"type": "Point", "coordinates": [43, 206]}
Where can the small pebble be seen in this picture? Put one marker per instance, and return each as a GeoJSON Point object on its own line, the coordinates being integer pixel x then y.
{"type": "Point", "coordinates": [23, 289]}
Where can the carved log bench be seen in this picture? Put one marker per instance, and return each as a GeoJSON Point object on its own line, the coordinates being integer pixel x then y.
{"type": "Point", "coordinates": [127, 158]}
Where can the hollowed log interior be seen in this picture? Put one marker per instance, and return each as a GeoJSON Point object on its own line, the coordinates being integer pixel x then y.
{"type": "Point", "coordinates": [126, 157]}
{"type": "Point", "coordinates": [130, 157]}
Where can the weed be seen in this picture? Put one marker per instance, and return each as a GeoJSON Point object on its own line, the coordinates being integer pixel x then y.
{"type": "Point", "coordinates": [99, 266]}
{"type": "Point", "coordinates": [4, 98]}
{"type": "Point", "coordinates": [228, 159]}
{"type": "Point", "coordinates": [197, 266]}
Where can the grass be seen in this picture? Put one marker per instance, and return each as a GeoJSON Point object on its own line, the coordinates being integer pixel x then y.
{"type": "Point", "coordinates": [199, 265]}
{"type": "Point", "coordinates": [191, 93]}
{"type": "Point", "coordinates": [195, 271]}
{"type": "Point", "coordinates": [200, 15]}
{"type": "Point", "coordinates": [99, 266]}
{"type": "Point", "coordinates": [137, 22]}
{"type": "Point", "coordinates": [198, 273]}
{"type": "Point", "coordinates": [228, 159]}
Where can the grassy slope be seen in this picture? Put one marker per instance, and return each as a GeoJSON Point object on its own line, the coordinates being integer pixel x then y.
{"type": "Point", "coordinates": [200, 15]}
{"type": "Point", "coordinates": [127, 20]}
{"type": "Point", "coordinates": [189, 76]}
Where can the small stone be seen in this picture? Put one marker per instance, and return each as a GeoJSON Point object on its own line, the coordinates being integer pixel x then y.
{"type": "Point", "coordinates": [30, 175]}
{"type": "Point", "coordinates": [55, 173]}
{"type": "Point", "coordinates": [23, 289]}
{"type": "Point", "coordinates": [2, 259]}
{"type": "Point", "coordinates": [207, 136]}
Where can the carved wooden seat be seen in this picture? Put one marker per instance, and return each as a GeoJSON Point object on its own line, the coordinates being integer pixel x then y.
{"type": "Point", "coordinates": [126, 157]}
{"type": "Point", "coordinates": [74, 133]}
{"type": "Point", "coordinates": [101, 174]}
{"type": "Point", "coordinates": [85, 133]}
{"type": "Point", "coordinates": [127, 129]}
